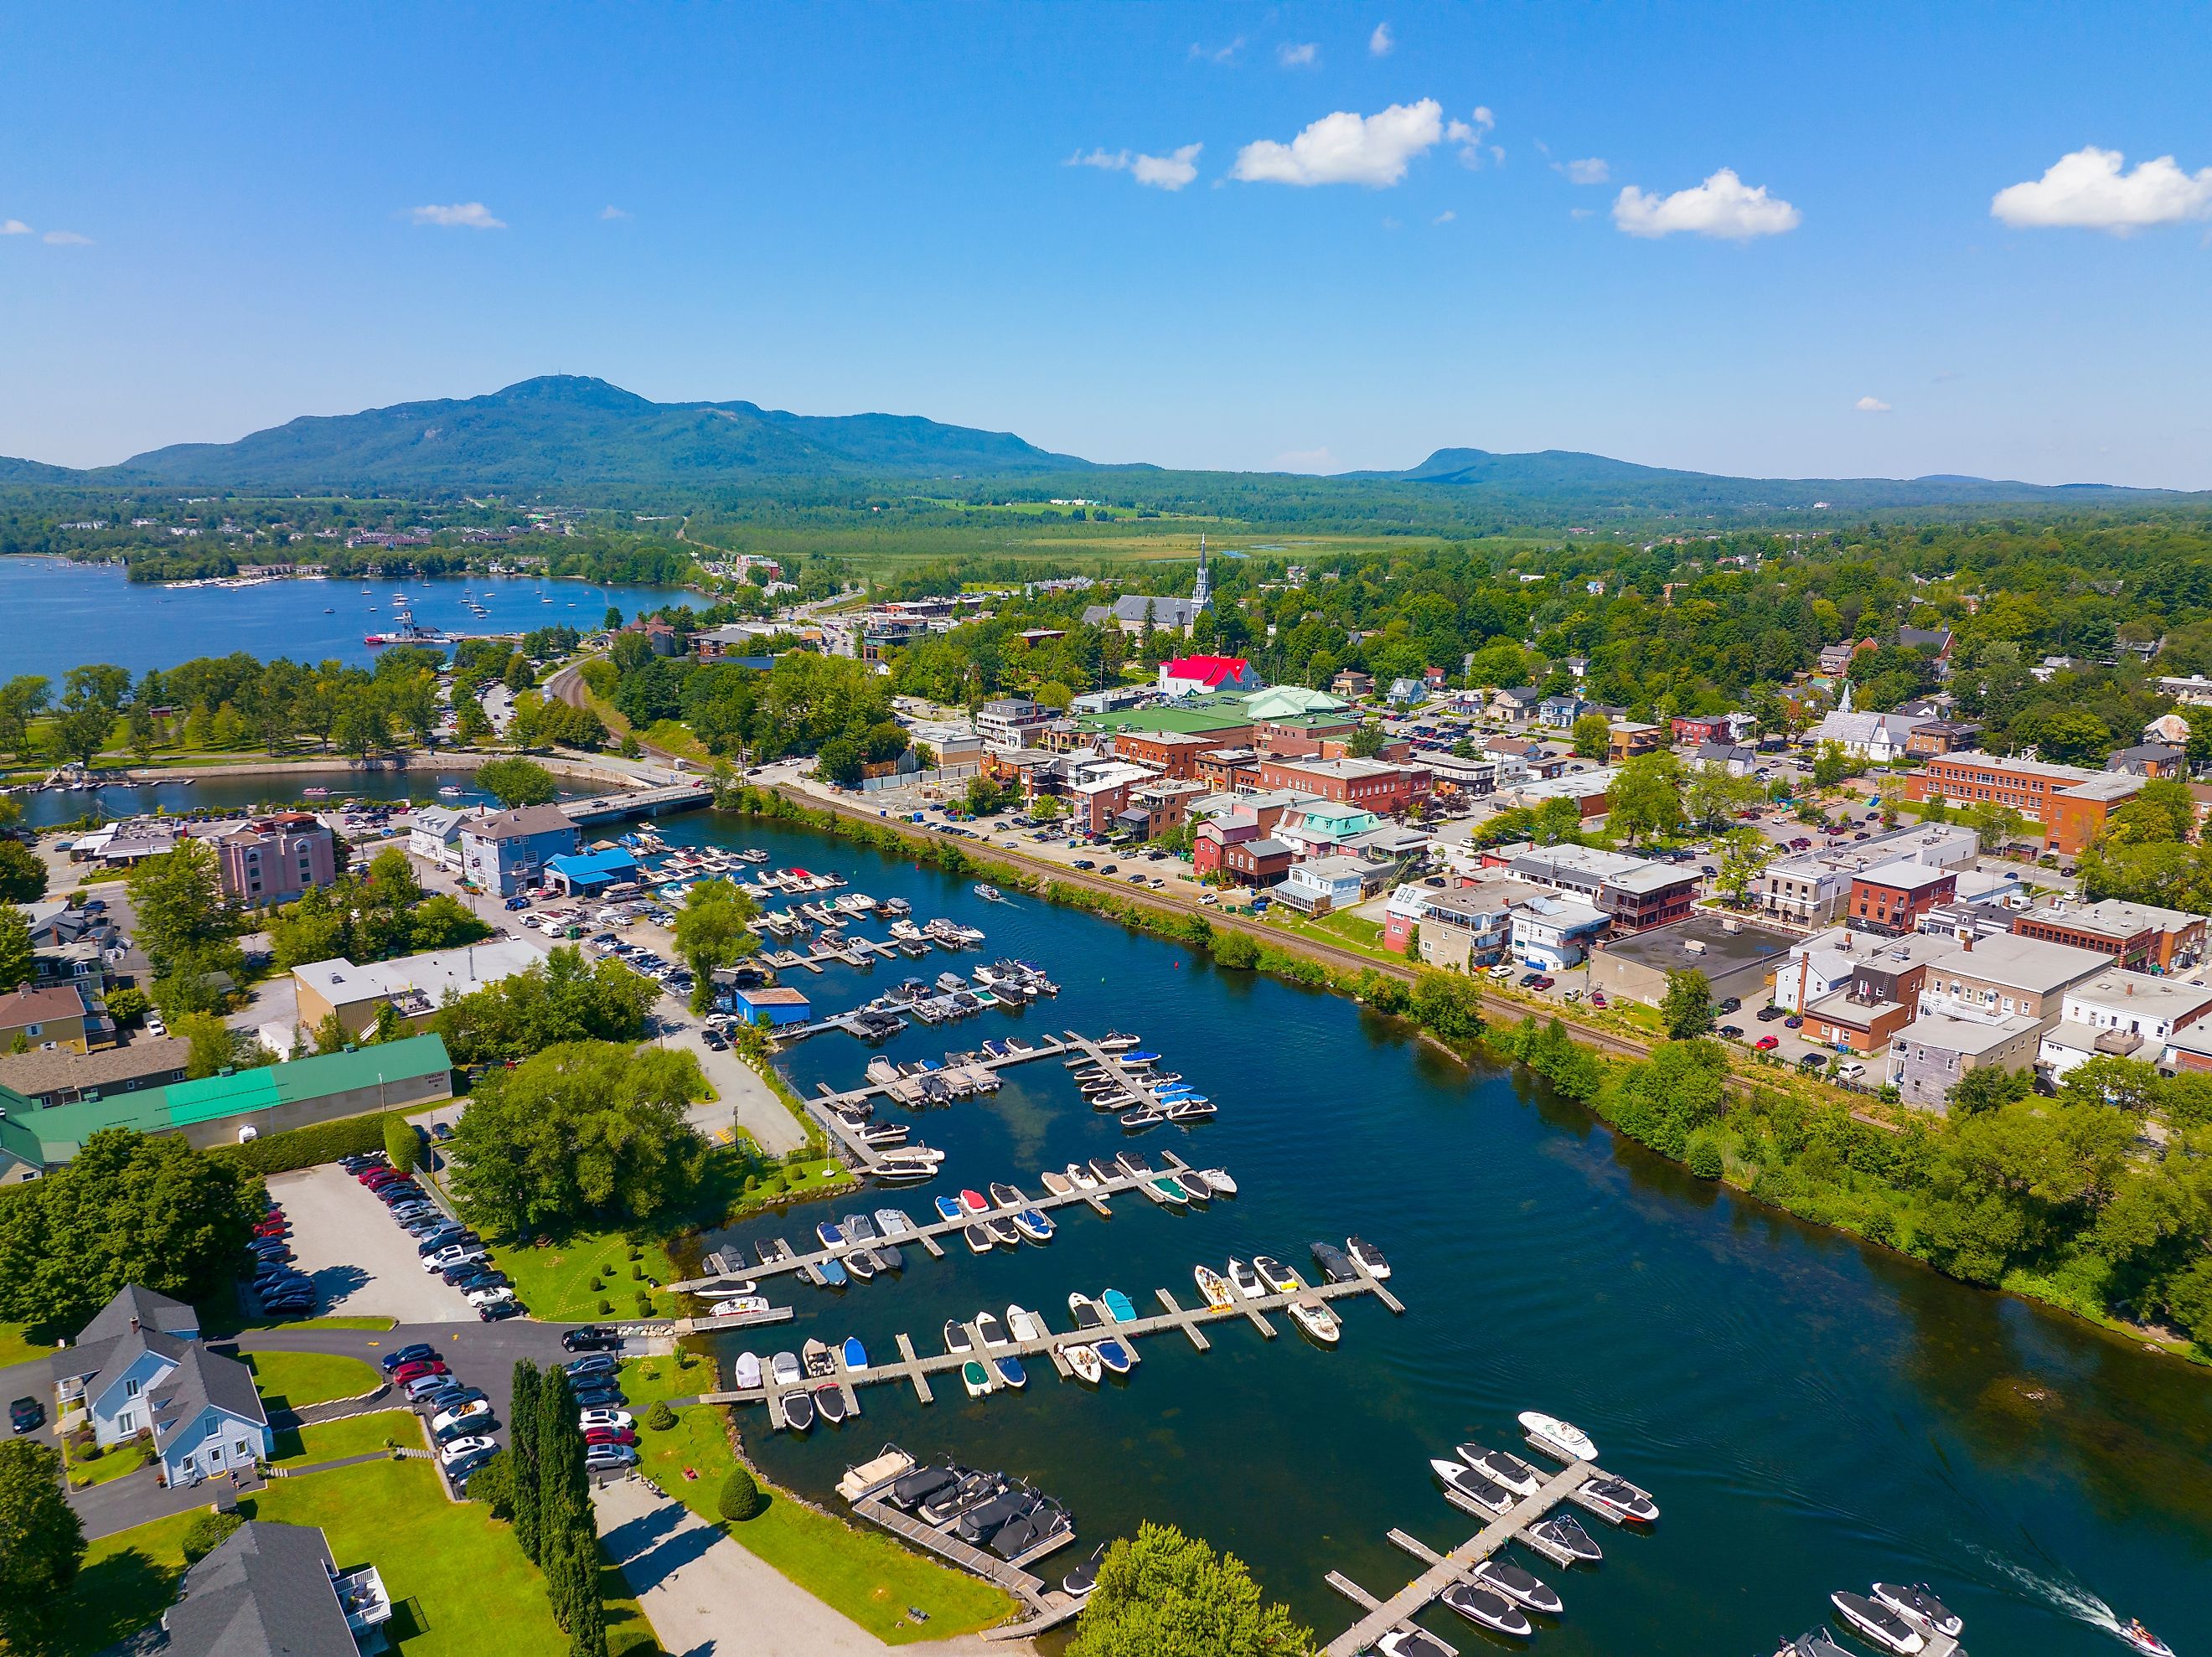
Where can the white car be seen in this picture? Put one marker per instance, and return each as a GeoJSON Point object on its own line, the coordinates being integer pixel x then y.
{"type": "Point", "coordinates": [468, 1411]}
{"type": "Point", "coordinates": [588, 1419]}
{"type": "Point", "coordinates": [486, 1296]}
{"type": "Point", "coordinates": [452, 1255]}
{"type": "Point", "coordinates": [461, 1447]}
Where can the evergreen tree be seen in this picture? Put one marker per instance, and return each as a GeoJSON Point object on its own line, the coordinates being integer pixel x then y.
{"type": "Point", "coordinates": [564, 1501]}
{"type": "Point", "coordinates": [587, 1629]}
{"type": "Point", "coordinates": [522, 1447]}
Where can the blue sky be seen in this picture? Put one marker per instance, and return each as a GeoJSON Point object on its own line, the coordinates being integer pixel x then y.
{"type": "Point", "coordinates": [214, 223]}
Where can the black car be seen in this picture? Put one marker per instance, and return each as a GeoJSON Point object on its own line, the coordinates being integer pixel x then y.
{"type": "Point", "coordinates": [1769, 1013]}
{"type": "Point", "coordinates": [499, 1311]}
{"type": "Point", "coordinates": [597, 1363]}
{"type": "Point", "coordinates": [26, 1415]}
{"type": "Point", "coordinates": [459, 1471]}
{"type": "Point", "coordinates": [591, 1338]}
{"type": "Point", "coordinates": [1730, 1003]}
{"type": "Point", "coordinates": [418, 1353]}
{"type": "Point", "coordinates": [434, 1240]}
{"type": "Point", "coordinates": [599, 1398]}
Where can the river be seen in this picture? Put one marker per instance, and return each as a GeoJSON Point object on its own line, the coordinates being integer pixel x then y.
{"type": "Point", "coordinates": [1809, 1412]}
{"type": "Point", "coordinates": [66, 614]}
{"type": "Point", "coordinates": [269, 787]}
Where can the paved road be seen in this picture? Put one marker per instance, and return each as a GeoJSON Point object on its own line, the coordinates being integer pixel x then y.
{"type": "Point", "coordinates": [135, 1499]}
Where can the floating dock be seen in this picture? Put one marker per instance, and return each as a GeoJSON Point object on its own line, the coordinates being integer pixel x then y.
{"type": "Point", "coordinates": [825, 1109]}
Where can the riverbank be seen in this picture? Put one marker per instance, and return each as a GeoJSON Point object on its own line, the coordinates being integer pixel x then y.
{"type": "Point", "coordinates": [1806, 1149]}
{"type": "Point", "coordinates": [184, 771]}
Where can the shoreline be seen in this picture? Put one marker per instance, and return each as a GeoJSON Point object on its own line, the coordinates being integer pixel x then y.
{"type": "Point", "coordinates": [418, 760]}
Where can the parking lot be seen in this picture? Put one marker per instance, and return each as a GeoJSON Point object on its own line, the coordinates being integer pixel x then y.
{"type": "Point", "coordinates": [363, 1265]}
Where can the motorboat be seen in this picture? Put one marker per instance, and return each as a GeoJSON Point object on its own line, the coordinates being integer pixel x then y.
{"type": "Point", "coordinates": [1032, 1224]}
{"type": "Point", "coordinates": [1510, 1470]}
{"type": "Point", "coordinates": [923, 1484]}
{"type": "Point", "coordinates": [739, 1306]}
{"type": "Point", "coordinates": [832, 1235]}
{"type": "Point", "coordinates": [798, 1411]}
{"type": "Point", "coordinates": [1024, 1325]}
{"type": "Point", "coordinates": [861, 1264]}
{"type": "Point", "coordinates": [980, 1524]}
{"type": "Point", "coordinates": [1183, 1112]}
{"type": "Point", "coordinates": [833, 1275]}
{"type": "Point", "coordinates": [1078, 1583]}
{"type": "Point", "coordinates": [1368, 1257]}
{"type": "Point", "coordinates": [1919, 1600]}
{"type": "Point", "coordinates": [814, 1355]}
{"type": "Point", "coordinates": [977, 1239]}
{"type": "Point", "coordinates": [1046, 1529]}
{"type": "Point", "coordinates": [1214, 1287]}
{"type": "Point", "coordinates": [1057, 1185]}
{"type": "Point", "coordinates": [1411, 1642]}
{"type": "Point", "coordinates": [2143, 1640]}
{"type": "Point", "coordinates": [1104, 1172]}
{"type": "Point", "coordinates": [1003, 1230]}
{"type": "Point", "coordinates": [1316, 1320]}
{"type": "Point", "coordinates": [972, 1491]}
{"type": "Point", "coordinates": [1555, 1437]}
{"type": "Point", "coordinates": [1169, 1190]}
{"type": "Point", "coordinates": [829, 1404]}
{"type": "Point", "coordinates": [1619, 1500]}
{"type": "Point", "coordinates": [989, 1330]}
{"type": "Point", "coordinates": [1246, 1281]}
{"type": "Point", "coordinates": [1010, 1370]}
{"type": "Point", "coordinates": [949, 1208]}
{"type": "Point", "coordinates": [1224, 1187]}
{"type": "Point", "coordinates": [1458, 1476]}
{"type": "Point", "coordinates": [1144, 1117]}
{"type": "Point", "coordinates": [1080, 1178]}
{"type": "Point", "coordinates": [1877, 1624]}
{"type": "Point", "coordinates": [1193, 1185]}
{"type": "Point", "coordinates": [1085, 1310]}
{"type": "Point", "coordinates": [1519, 1586]}
{"type": "Point", "coordinates": [1818, 1643]}
{"type": "Point", "coordinates": [1135, 1060]}
{"type": "Point", "coordinates": [1115, 1041]}
{"type": "Point", "coordinates": [975, 1202]}
{"type": "Point", "coordinates": [1333, 1264]}
{"type": "Point", "coordinates": [854, 1354]}
{"type": "Point", "coordinates": [909, 1166]}
{"type": "Point", "coordinates": [888, 1258]}
{"type": "Point", "coordinates": [893, 1222]}
{"type": "Point", "coordinates": [1568, 1536]}
{"type": "Point", "coordinates": [955, 1337]}
{"type": "Point", "coordinates": [1487, 1608]}
{"type": "Point", "coordinates": [975, 1378]}
{"type": "Point", "coordinates": [1278, 1277]}
{"type": "Point", "coordinates": [1114, 1356]}
{"type": "Point", "coordinates": [1084, 1360]}
{"type": "Point", "coordinates": [1008, 1196]}
{"type": "Point", "coordinates": [1116, 1307]}
{"type": "Point", "coordinates": [1133, 1164]}
{"type": "Point", "coordinates": [745, 1373]}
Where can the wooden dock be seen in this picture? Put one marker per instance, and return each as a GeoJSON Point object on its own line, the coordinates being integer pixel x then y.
{"type": "Point", "coordinates": [1381, 1617]}
{"type": "Point", "coordinates": [916, 1370]}
{"type": "Point", "coordinates": [825, 1109]}
{"type": "Point", "coordinates": [926, 1236]}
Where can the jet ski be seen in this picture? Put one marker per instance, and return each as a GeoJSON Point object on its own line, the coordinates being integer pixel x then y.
{"type": "Point", "coordinates": [1877, 1624]}
{"type": "Point", "coordinates": [1918, 1601]}
{"type": "Point", "coordinates": [1487, 1609]}
{"type": "Point", "coordinates": [1519, 1586]}
{"type": "Point", "coordinates": [2143, 1640]}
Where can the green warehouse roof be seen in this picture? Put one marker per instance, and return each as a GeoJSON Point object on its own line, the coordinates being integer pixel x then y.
{"type": "Point", "coordinates": [1194, 716]}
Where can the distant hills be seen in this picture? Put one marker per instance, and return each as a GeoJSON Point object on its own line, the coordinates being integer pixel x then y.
{"type": "Point", "coordinates": [564, 432]}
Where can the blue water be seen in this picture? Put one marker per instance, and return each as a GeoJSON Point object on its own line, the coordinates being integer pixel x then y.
{"type": "Point", "coordinates": [1809, 1412]}
{"type": "Point", "coordinates": [62, 615]}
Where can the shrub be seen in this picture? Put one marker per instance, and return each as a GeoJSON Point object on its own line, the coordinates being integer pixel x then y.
{"type": "Point", "coordinates": [660, 1417]}
{"type": "Point", "coordinates": [644, 1304]}
{"type": "Point", "coordinates": [606, 1307]}
{"type": "Point", "coordinates": [493, 1484]}
{"type": "Point", "coordinates": [740, 1498]}
{"type": "Point", "coordinates": [1704, 1158]}
{"type": "Point", "coordinates": [306, 1147]}
{"type": "Point", "coordinates": [207, 1533]}
{"type": "Point", "coordinates": [401, 1144]}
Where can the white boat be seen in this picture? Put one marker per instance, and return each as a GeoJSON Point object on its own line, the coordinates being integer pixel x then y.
{"type": "Point", "coordinates": [1878, 1624]}
{"type": "Point", "coordinates": [1219, 1179]}
{"type": "Point", "coordinates": [1618, 1500]}
{"type": "Point", "coordinates": [1246, 1281]}
{"type": "Point", "coordinates": [737, 1306]}
{"type": "Point", "coordinates": [1368, 1257]}
{"type": "Point", "coordinates": [1917, 1603]}
{"type": "Point", "coordinates": [745, 1373]}
{"type": "Point", "coordinates": [1214, 1287]}
{"type": "Point", "coordinates": [1558, 1438]}
{"type": "Point", "coordinates": [1081, 1177]}
{"type": "Point", "coordinates": [1024, 1325]}
{"type": "Point", "coordinates": [1058, 1185]}
{"type": "Point", "coordinates": [1084, 1360]}
{"type": "Point", "coordinates": [1316, 1320]}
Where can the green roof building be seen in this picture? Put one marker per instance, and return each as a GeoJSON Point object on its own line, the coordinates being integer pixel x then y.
{"type": "Point", "coordinates": [1194, 716]}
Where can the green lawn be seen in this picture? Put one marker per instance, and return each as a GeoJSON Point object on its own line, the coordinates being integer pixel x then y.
{"type": "Point", "coordinates": [16, 1347]}
{"type": "Point", "coordinates": [863, 1574]}
{"type": "Point", "coordinates": [333, 1441]}
{"type": "Point", "coordinates": [555, 1282]}
{"type": "Point", "coordinates": [119, 1462]}
{"type": "Point", "coordinates": [295, 1379]}
{"type": "Point", "coordinates": [127, 1582]}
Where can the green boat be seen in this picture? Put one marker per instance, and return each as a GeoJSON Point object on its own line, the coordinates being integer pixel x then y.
{"type": "Point", "coordinates": [975, 1378]}
{"type": "Point", "coordinates": [1172, 1188]}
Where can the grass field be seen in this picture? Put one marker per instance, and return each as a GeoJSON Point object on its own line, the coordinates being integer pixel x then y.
{"type": "Point", "coordinates": [863, 1575]}
{"type": "Point", "coordinates": [127, 1582]}
{"type": "Point", "coordinates": [119, 1462]}
{"type": "Point", "coordinates": [295, 1380]}
{"type": "Point", "coordinates": [333, 1441]}
{"type": "Point", "coordinates": [555, 1282]}
{"type": "Point", "coordinates": [16, 1347]}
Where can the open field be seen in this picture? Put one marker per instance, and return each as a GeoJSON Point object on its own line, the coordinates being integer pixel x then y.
{"type": "Point", "coordinates": [295, 1380]}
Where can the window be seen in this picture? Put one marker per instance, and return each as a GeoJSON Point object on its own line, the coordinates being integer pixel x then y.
{"type": "Point", "coordinates": [127, 1422]}
{"type": "Point", "coordinates": [131, 1388]}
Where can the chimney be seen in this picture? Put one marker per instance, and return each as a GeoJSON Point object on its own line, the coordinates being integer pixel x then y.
{"type": "Point", "coordinates": [1966, 937]}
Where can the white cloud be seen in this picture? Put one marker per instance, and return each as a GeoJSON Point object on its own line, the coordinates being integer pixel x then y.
{"type": "Point", "coordinates": [2086, 190]}
{"type": "Point", "coordinates": [1170, 171]}
{"type": "Point", "coordinates": [1217, 54]}
{"type": "Point", "coordinates": [1303, 461]}
{"type": "Point", "coordinates": [1346, 149]}
{"type": "Point", "coordinates": [1469, 135]}
{"type": "Point", "coordinates": [1593, 170]}
{"type": "Point", "coordinates": [1380, 42]}
{"type": "Point", "coordinates": [1871, 406]}
{"type": "Point", "coordinates": [466, 216]}
{"type": "Point", "coordinates": [1304, 55]}
{"type": "Point", "coordinates": [1389, 224]}
{"type": "Point", "coordinates": [610, 211]}
{"type": "Point", "coordinates": [1724, 205]}
{"type": "Point", "coordinates": [14, 228]}
{"type": "Point", "coordinates": [65, 238]}
{"type": "Point", "coordinates": [1444, 217]}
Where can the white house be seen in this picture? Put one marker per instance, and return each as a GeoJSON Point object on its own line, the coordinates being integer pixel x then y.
{"type": "Point", "coordinates": [2120, 1015]}
{"type": "Point", "coordinates": [434, 833]}
{"type": "Point", "coordinates": [1878, 738]}
{"type": "Point", "coordinates": [1325, 883]}
{"type": "Point", "coordinates": [1555, 933]}
{"type": "Point", "coordinates": [139, 1367]}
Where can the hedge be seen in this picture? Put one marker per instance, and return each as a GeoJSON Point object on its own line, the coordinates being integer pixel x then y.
{"type": "Point", "coordinates": [306, 1147]}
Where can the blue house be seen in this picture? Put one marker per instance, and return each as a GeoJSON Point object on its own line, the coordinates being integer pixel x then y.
{"type": "Point", "coordinates": [586, 874]}
{"type": "Point", "coordinates": [771, 1005]}
{"type": "Point", "coordinates": [508, 851]}
{"type": "Point", "coordinates": [1559, 713]}
{"type": "Point", "coordinates": [138, 1367]}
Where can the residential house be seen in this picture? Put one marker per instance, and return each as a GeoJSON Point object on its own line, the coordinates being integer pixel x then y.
{"type": "Point", "coordinates": [62, 1075]}
{"type": "Point", "coordinates": [1936, 642]}
{"type": "Point", "coordinates": [1855, 991]}
{"type": "Point", "coordinates": [1408, 693]}
{"type": "Point", "coordinates": [2149, 758]}
{"type": "Point", "coordinates": [1352, 685]}
{"type": "Point", "coordinates": [1517, 704]}
{"type": "Point", "coordinates": [1323, 884]}
{"type": "Point", "coordinates": [1008, 723]}
{"type": "Point", "coordinates": [664, 639]}
{"type": "Point", "coordinates": [1262, 861]}
{"type": "Point", "coordinates": [1634, 894]}
{"type": "Point", "coordinates": [138, 1367]}
{"type": "Point", "coordinates": [2193, 691]}
{"type": "Point", "coordinates": [1732, 757]}
{"type": "Point", "coordinates": [2118, 1014]}
{"type": "Point", "coordinates": [434, 833]}
{"type": "Point", "coordinates": [1465, 928]}
{"type": "Point", "coordinates": [1624, 739]}
{"type": "Point", "coordinates": [1315, 827]}
{"type": "Point", "coordinates": [507, 850]}
{"type": "Point", "coordinates": [1159, 807]}
{"type": "Point", "coordinates": [1878, 738]}
{"type": "Point", "coordinates": [273, 1590]}
{"type": "Point", "coordinates": [1835, 660]}
{"type": "Point", "coordinates": [1552, 933]}
{"type": "Point", "coordinates": [271, 860]}
{"type": "Point", "coordinates": [54, 1016]}
{"type": "Point", "coordinates": [1559, 713]}
{"type": "Point", "coordinates": [1203, 676]}
{"type": "Point", "coordinates": [1928, 737]}
{"type": "Point", "coordinates": [414, 986]}
{"type": "Point", "coordinates": [1713, 727]}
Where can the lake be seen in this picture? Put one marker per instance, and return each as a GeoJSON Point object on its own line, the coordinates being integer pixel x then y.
{"type": "Point", "coordinates": [277, 785]}
{"type": "Point", "coordinates": [64, 615]}
{"type": "Point", "coordinates": [1809, 1413]}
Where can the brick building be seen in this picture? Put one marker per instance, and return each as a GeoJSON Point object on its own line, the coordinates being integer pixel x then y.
{"type": "Point", "coordinates": [2140, 935]}
{"type": "Point", "coordinates": [1891, 897]}
{"type": "Point", "coordinates": [273, 859]}
{"type": "Point", "coordinates": [1375, 786]}
{"type": "Point", "coordinates": [2070, 806]}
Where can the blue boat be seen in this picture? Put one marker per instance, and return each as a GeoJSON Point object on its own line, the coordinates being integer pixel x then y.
{"type": "Point", "coordinates": [1141, 1058]}
{"type": "Point", "coordinates": [1117, 1306]}
{"type": "Point", "coordinates": [830, 1235]}
{"type": "Point", "coordinates": [1169, 1094]}
{"type": "Point", "coordinates": [1112, 1354]}
{"type": "Point", "coordinates": [1009, 1371]}
{"type": "Point", "coordinates": [948, 1208]}
{"type": "Point", "coordinates": [833, 1274]}
{"type": "Point", "coordinates": [856, 1356]}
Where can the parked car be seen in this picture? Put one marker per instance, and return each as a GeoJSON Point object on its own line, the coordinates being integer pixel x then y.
{"type": "Point", "coordinates": [415, 1368]}
{"type": "Point", "coordinates": [592, 1363]}
{"type": "Point", "coordinates": [474, 1409]}
{"type": "Point", "coordinates": [26, 1415]}
{"type": "Point", "coordinates": [416, 1353]}
{"type": "Point", "coordinates": [1729, 1004]}
{"type": "Point", "coordinates": [588, 1419]}
{"type": "Point", "coordinates": [457, 1474]}
{"type": "Point", "coordinates": [1768, 1014]}
{"type": "Point", "coordinates": [591, 1337]}
{"type": "Point", "coordinates": [518, 902]}
{"type": "Point", "coordinates": [1767, 1043]}
{"type": "Point", "coordinates": [1597, 998]}
{"type": "Point", "coordinates": [1795, 1020]}
{"type": "Point", "coordinates": [610, 1435]}
{"type": "Point", "coordinates": [1851, 1069]}
{"type": "Point", "coordinates": [462, 1447]}
{"type": "Point", "coordinates": [499, 1310]}
{"type": "Point", "coordinates": [486, 1296]}
{"type": "Point", "coordinates": [452, 1255]}
{"type": "Point", "coordinates": [423, 1385]}
{"type": "Point", "coordinates": [608, 1458]}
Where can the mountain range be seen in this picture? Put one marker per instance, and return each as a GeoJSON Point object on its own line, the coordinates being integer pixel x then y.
{"type": "Point", "coordinates": [569, 432]}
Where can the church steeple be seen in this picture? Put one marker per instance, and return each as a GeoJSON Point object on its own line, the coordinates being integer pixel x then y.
{"type": "Point", "coordinates": [1202, 594]}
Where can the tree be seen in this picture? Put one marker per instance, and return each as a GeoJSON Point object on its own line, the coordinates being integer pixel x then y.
{"type": "Point", "coordinates": [211, 1044]}
{"type": "Point", "coordinates": [1593, 737]}
{"type": "Point", "coordinates": [1995, 826]}
{"type": "Point", "coordinates": [1986, 1087]}
{"type": "Point", "coordinates": [1048, 807]}
{"type": "Point", "coordinates": [1686, 1009]}
{"type": "Point", "coordinates": [523, 1416]}
{"type": "Point", "coordinates": [21, 699]}
{"type": "Point", "coordinates": [1163, 1594]}
{"type": "Point", "coordinates": [1681, 1087]}
{"type": "Point", "coordinates": [179, 903]}
{"type": "Point", "coordinates": [1830, 765]}
{"type": "Point", "coordinates": [1745, 853]}
{"type": "Point", "coordinates": [714, 929]}
{"type": "Point", "coordinates": [402, 1144]}
{"type": "Point", "coordinates": [1556, 821]}
{"type": "Point", "coordinates": [1449, 1004]}
{"type": "Point", "coordinates": [563, 1000]}
{"type": "Point", "coordinates": [22, 873]}
{"type": "Point", "coordinates": [516, 782]}
{"type": "Point", "coordinates": [129, 1209]}
{"type": "Point", "coordinates": [739, 1498]}
{"type": "Point", "coordinates": [1367, 741]}
{"type": "Point", "coordinates": [2163, 811]}
{"type": "Point", "coordinates": [1646, 797]}
{"type": "Point", "coordinates": [1713, 794]}
{"type": "Point", "coordinates": [92, 698]}
{"type": "Point", "coordinates": [585, 1130]}
{"type": "Point", "coordinates": [17, 962]}
{"type": "Point", "coordinates": [472, 726]}
{"type": "Point", "coordinates": [41, 1544]}
{"type": "Point", "coordinates": [839, 762]}
{"type": "Point", "coordinates": [208, 1533]}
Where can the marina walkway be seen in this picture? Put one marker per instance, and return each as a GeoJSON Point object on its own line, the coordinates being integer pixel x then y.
{"type": "Point", "coordinates": [824, 1108]}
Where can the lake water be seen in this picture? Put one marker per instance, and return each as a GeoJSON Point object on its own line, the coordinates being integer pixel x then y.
{"type": "Point", "coordinates": [1809, 1413]}
{"type": "Point", "coordinates": [62, 615]}
{"type": "Point", "coordinates": [46, 807]}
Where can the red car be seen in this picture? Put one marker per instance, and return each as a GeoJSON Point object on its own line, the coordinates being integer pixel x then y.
{"type": "Point", "coordinates": [273, 1228]}
{"type": "Point", "coordinates": [610, 1435]}
{"type": "Point", "coordinates": [407, 1372]}
{"type": "Point", "coordinates": [373, 1177]}
{"type": "Point", "coordinates": [1597, 998]}
{"type": "Point", "coordinates": [1766, 1044]}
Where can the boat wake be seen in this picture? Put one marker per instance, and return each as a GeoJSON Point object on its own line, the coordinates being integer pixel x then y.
{"type": "Point", "coordinates": [2060, 1592]}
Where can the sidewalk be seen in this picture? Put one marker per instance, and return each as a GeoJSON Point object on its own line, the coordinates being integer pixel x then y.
{"type": "Point", "coordinates": [707, 1597]}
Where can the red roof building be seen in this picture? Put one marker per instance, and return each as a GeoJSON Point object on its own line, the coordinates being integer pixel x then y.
{"type": "Point", "coordinates": [1193, 675]}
